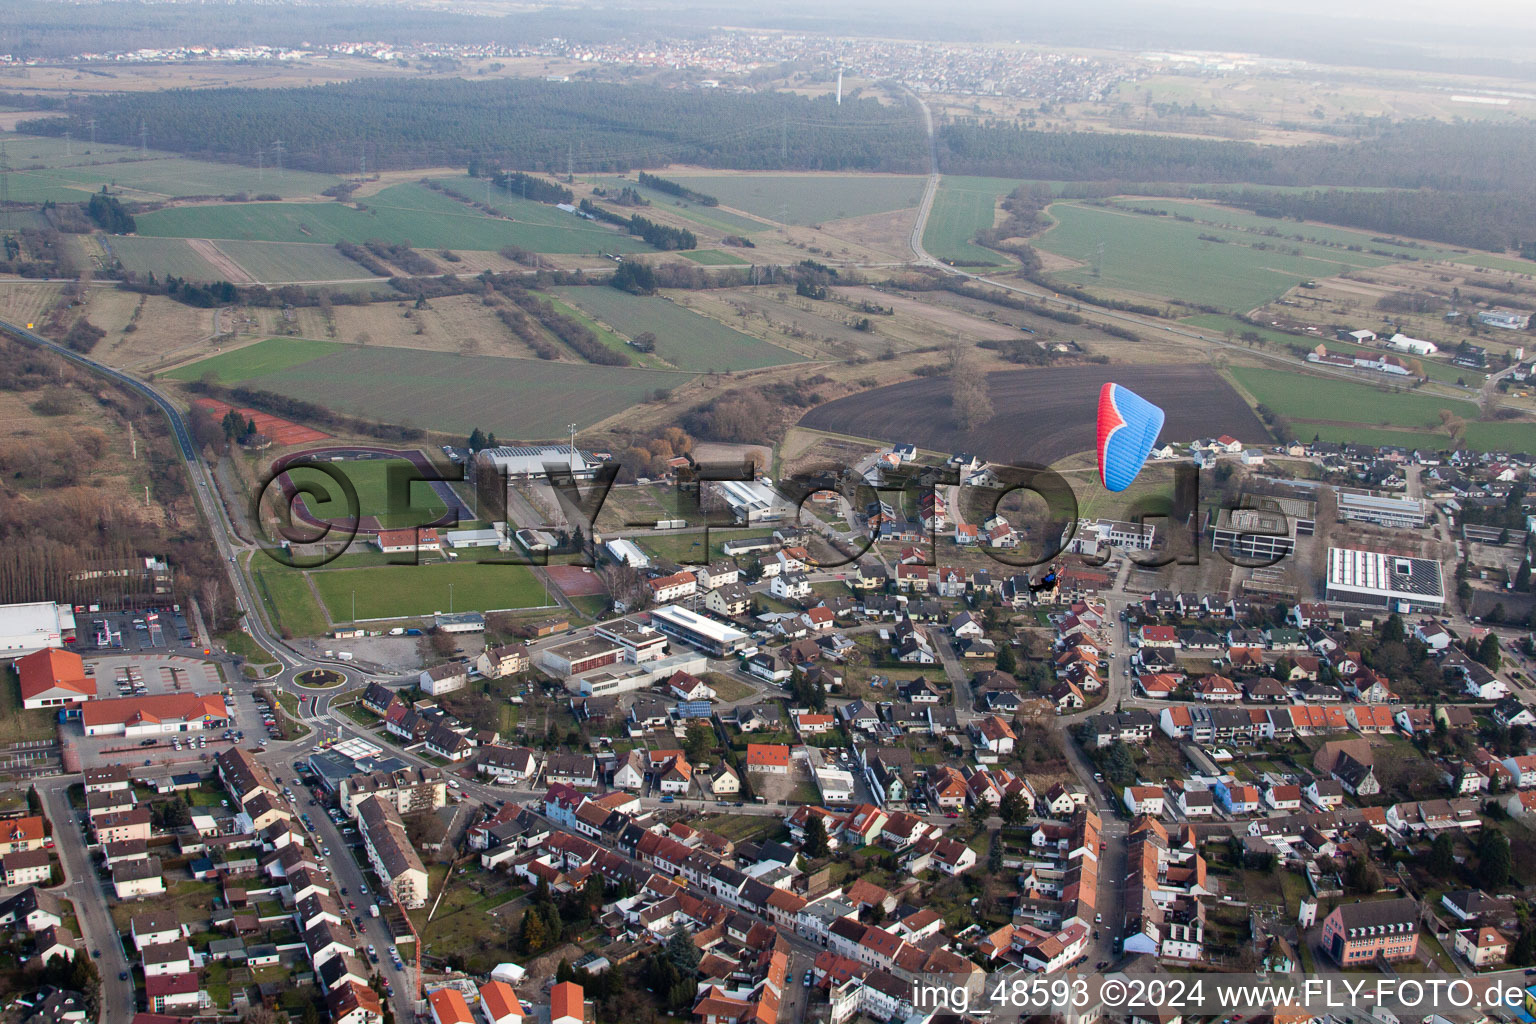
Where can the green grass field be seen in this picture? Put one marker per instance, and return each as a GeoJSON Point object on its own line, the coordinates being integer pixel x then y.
{"type": "Point", "coordinates": [287, 598]}
{"type": "Point", "coordinates": [287, 262]}
{"type": "Point", "coordinates": [69, 172]}
{"type": "Point", "coordinates": [1288, 230]}
{"type": "Point", "coordinates": [807, 198]}
{"type": "Point", "coordinates": [399, 591]}
{"type": "Point", "coordinates": [398, 214]}
{"type": "Point", "coordinates": [687, 340]}
{"type": "Point", "coordinates": [517, 398]}
{"type": "Point", "coordinates": [962, 207]}
{"type": "Point", "coordinates": [1165, 258]}
{"type": "Point", "coordinates": [610, 338]}
{"type": "Point", "coordinates": [705, 216]}
{"type": "Point", "coordinates": [1345, 411]}
{"type": "Point", "coordinates": [270, 356]}
{"type": "Point", "coordinates": [369, 477]}
{"type": "Point", "coordinates": [161, 257]}
{"type": "Point", "coordinates": [714, 258]}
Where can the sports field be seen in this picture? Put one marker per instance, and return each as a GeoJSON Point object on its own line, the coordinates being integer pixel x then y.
{"type": "Point", "coordinates": [807, 198]}
{"type": "Point", "coordinates": [687, 340]}
{"type": "Point", "coordinates": [270, 356]}
{"type": "Point", "coordinates": [398, 214]}
{"type": "Point", "coordinates": [517, 398]}
{"type": "Point", "coordinates": [1162, 257]}
{"type": "Point", "coordinates": [962, 207]}
{"type": "Point", "coordinates": [397, 591]}
{"type": "Point", "coordinates": [288, 262]}
{"type": "Point", "coordinates": [369, 477]}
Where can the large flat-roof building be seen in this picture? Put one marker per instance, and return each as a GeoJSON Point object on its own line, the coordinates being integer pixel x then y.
{"type": "Point", "coordinates": [1398, 582]}
{"type": "Point", "coordinates": [1253, 533]}
{"type": "Point", "coordinates": [157, 713]}
{"type": "Point", "coordinates": [530, 461]}
{"type": "Point", "coordinates": [25, 628]}
{"type": "Point", "coordinates": [697, 630]}
{"type": "Point", "coordinates": [751, 501]}
{"type": "Point", "coordinates": [1392, 510]}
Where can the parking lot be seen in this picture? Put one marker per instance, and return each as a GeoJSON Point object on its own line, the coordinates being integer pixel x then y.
{"type": "Point", "coordinates": [140, 675]}
{"type": "Point", "coordinates": [153, 629]}
{"type": "Point", "coordinates": [146, 675]}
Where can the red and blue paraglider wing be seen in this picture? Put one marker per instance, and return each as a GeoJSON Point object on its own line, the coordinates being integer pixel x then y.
{"type": "Point", "coordinates": [1128, 427]}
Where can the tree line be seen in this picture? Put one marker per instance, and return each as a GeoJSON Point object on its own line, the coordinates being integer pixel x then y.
{"type": "Point", "coordinates": [529, 124]}
{"type": "Point", "coordinates": [673, 188]}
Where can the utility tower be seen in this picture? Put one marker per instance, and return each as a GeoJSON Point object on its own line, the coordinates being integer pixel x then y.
{"type": "Point", "coordinates": [277, 156]}
{"type": "Point", "coordinates": [839, 86]}
{"type": "Point", "coordinates": [143, 138]}
{"type": "Point", "coordinates": [5, 176]}
{"type": "Point", "coordinates": [91, 124]}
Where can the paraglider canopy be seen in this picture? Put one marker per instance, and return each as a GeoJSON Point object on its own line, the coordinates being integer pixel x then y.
{"type": "Point", "coordinates": [1128, 427]}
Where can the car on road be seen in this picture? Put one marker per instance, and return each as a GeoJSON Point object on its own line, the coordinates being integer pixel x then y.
{"type": "Point", "coordinates": [1098, 918]}
{"type": "Point", "coordinates": [351, 905]}
{"type": "Point", "coordinates": [363, 889]}
{"type": "Point", "coordinates": [808, 978]}
{"type": "Point", "coordinates": [1102, 964]}
{"type": "Point", "coordinates": [96, 953]}
{"type": "Point", "coordinates": [357, 922]}
{"type": "Point", "coordinates": [122, 975]}
{"type": "Point", "coordinates": [951, 814]}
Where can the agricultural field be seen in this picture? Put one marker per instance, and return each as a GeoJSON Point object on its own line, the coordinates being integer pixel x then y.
{"type": "Point", "coordinates": [70, 172]}
{"type": "Point", "coordinates": [714, 258]}
{"type": "Point", "coordinates": [685, 339]}
{"type": "Point", "coordinates": [805, 199]}
{"type": "Point", "coordinates": [389, 592]}
{"type": "Point", "coordinates": [161, 257]}
{"type": "Point", "coordinates": [369, 477]}
{"type": "Point", "coordinates": [271, 356]}
{"type": "Point", "coordinates": [962, 207]}
{"type": "Point", "coordinates": [399, 214]}
{"type": "Point", "coordinates": [1163, 258]}
{"type": "Point", "coordinates": [516, 398]}
{"type": "Point", "coordinates": [705, 216]}
{"type": "Point", "coordinates": [289, 262]}
{"type": "Point", "coordinates": [23, 302]}
{"type": "Point", "coordinates": [1338, 408]}
{"type": "Point", "coordinates": [1042, 415]}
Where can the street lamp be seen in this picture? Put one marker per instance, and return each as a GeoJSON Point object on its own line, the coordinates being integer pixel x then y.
{"type": "Point", "coordinates": [450, 599]}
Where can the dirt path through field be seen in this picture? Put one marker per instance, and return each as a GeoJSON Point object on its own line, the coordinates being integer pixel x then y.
{"type": "Point", "coordinates": [233, 272]}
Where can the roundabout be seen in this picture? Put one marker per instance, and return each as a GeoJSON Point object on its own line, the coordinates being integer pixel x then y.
{"type": "Point", "coordinates": [320, 679]}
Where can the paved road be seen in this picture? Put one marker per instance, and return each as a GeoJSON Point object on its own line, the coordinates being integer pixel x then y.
{"type": "Point", "coordinates": [88, 892]}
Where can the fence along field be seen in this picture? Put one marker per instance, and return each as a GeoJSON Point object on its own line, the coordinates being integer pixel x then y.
{"type": "Point", "coordinates": [687, 340]}
{"type": "Point", "coordinates": [1165, 258]}
{"type": "Point", "coordinates": [398, 214]}
{"type": "Point", "coordinates": [516, 398]}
